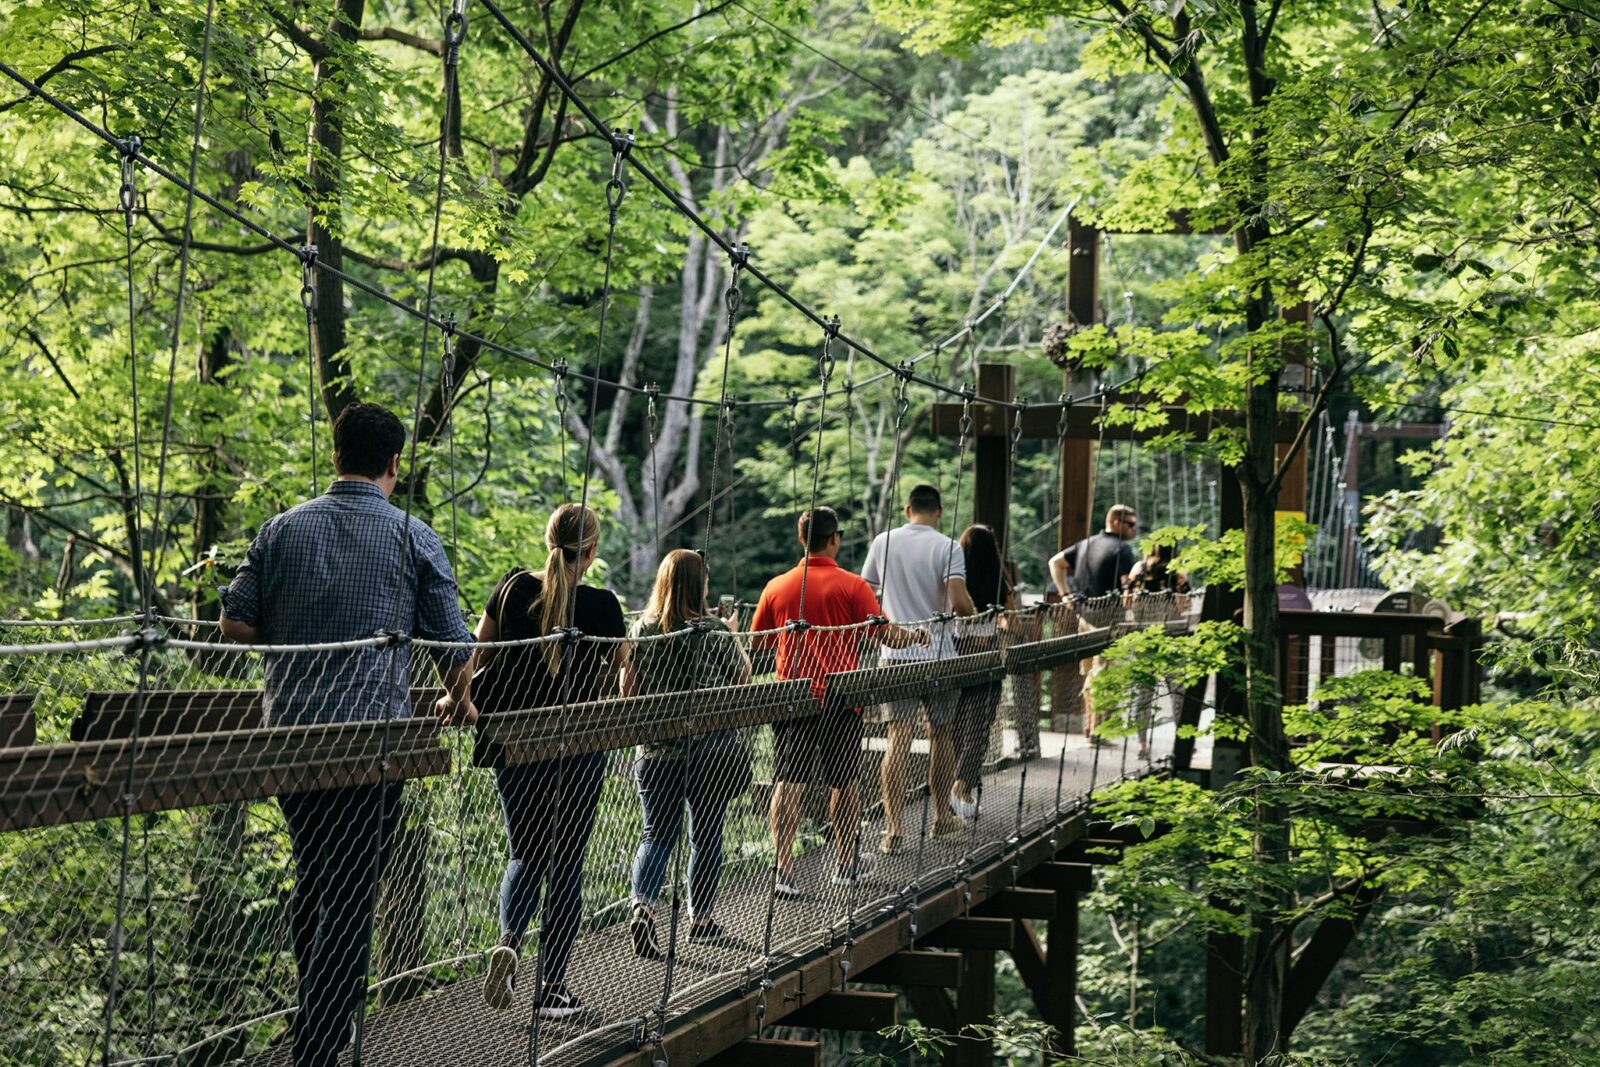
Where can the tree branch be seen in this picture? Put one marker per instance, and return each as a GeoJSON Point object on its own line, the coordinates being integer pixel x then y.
{"type": "Point", "coordinates": [65, 63]}
{"type": "Point", "coordinates": [626, 52]}
{"type": "Point", "coordinates": [301, 36]}
{"type": "Point", "coordinates": [431, 45]}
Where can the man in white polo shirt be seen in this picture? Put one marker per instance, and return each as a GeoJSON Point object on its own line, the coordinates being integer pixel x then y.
{"type": "Point", "coordinates": [919, 573]}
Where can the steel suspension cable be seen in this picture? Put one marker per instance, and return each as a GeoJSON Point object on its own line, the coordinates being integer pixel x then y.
{"type": "Point", "coordinates": [127, 195]}
{"type": "Point", "coordinates": [732, 298]}
{"type": "Point", "coordinates": [455, 27]}
{"type": "Point", "coordinates": [488, 343]}
{"type": "Point", "coordinates": [308, 300]}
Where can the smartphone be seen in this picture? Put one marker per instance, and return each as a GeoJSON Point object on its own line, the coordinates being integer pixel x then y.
{"type": "Point", "coordinates": [725, 605]}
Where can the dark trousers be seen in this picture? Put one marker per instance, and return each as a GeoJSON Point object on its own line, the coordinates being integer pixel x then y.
{"type": "Point", "coordinates": [664, 788]}
{"type": "Point", "coordinates": [549, 810]}
{"type": "Point", "coordinates": [976, 706]}
{"type": "Point", "coordinates": [340, 839]}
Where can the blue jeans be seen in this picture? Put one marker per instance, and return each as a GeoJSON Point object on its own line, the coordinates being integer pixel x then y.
{"type": "Point", "coordinates": [340, 839]}
{"type": "Point", "coordinates": [664, 787]}
{"type": "Point", "coordinates": [549, 810]}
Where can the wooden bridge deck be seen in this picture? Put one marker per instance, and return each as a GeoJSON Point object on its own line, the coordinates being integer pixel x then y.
{"type": "Point", "coordinates": [716, 989]}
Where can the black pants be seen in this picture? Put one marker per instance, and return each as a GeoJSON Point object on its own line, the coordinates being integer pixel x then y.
{"type": "Point", "coordinates": [974, 718]}
{"type": "Point", "coordinates": [340, 839]}
{"type": "Point", "coordinates": [549, 809]}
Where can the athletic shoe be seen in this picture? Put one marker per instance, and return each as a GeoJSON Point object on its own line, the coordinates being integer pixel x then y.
{"type": "Point", "coordinates": [850, 874]}
{"type": "Point", "coordinates": [964, 809]}
{"type": "Point", "coordinates": [557, 1002]}
{"type": "Point", "coordinates": [785, 886]}
{"type": "Point", "coordinates": [501, 981]}
{"type": "Point", "coordinates": [706, 932]}
{"type": "Point", "coordinates": [643, 928]}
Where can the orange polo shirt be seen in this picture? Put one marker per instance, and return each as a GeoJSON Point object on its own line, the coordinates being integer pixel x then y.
{"type": "Point", "coordinates": [833, 597]}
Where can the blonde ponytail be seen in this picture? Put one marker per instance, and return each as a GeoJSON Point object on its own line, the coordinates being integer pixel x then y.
{"type": "Point", "coordinates": [571, 532]}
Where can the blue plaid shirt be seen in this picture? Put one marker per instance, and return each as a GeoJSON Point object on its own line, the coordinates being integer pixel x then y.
{"type": "Point", "coordinates": [336, 569]}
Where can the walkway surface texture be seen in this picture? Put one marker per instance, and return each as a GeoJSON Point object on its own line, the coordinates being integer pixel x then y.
{"type": "Point", "coordinates": [452, 1026]}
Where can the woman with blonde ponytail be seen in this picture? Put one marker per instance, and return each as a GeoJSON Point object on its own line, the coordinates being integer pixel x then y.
{"type": "Point", "coordinates": [549, 806]}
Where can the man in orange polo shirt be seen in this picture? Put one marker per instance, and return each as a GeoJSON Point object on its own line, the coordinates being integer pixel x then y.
{"type": "Point", "coordinates": [821, 593]}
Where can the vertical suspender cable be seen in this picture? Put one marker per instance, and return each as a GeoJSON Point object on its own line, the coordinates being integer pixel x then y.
{"type": "Point", "coordinates": [455, 28]}
{"type": "Point", "coordinates": [127, 195]}
{"type": "Point", "coordinates": [308, 300]}
{"type": "Point", "coordinates": [732, 298]}
{"type": "Point", "coordinates": [616, 190]}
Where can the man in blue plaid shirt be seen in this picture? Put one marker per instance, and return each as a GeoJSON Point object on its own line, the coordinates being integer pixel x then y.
{"type": "Point", "coordinates": [345, 567]}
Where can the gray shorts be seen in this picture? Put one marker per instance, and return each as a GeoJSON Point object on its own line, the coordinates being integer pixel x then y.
{"type": "Point", "coordinates": [941, 708]}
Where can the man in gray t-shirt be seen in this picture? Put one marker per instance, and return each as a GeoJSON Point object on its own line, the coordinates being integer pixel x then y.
{"type": "Point", "coordinates": [919, 573]}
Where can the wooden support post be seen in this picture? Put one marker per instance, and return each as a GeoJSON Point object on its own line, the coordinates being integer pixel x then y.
{"type": "Point", "coordinates": [854, 1010]}
{"type": "Point", "coordinates": [1224, 994]}
{"type": "Point", "coordinates": [1077, 456]}
{"type": "Point", "coordinates": [936, 970]}
{"type": "Point", "coordinates": [1020, 904]}
{"type": "Point", "coordinates": [1061, 967]}
{"type": "Point", "coordinates": [991, 452]}
{"type": "Point", "coordinates": [974, 1007]}
{"type": "Point", "coordinates": [760, 1052]}
{"type": "Point", "coordinates": [989, 935]}
{"type": "Point", "coordinates": [932, 1008]}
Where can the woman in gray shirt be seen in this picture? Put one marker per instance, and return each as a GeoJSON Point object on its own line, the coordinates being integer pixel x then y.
{"type": "Point", "coordinates": [677, 647]}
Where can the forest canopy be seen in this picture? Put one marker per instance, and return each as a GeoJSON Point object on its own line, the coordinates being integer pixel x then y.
{"type": "Point", "coordinates": [1400, 196]}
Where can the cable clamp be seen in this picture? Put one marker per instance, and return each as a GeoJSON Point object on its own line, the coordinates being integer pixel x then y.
{"type": "Point", "coordinates": [877, 620]}
{"type": "Point", "coordinates": [797, 626]}
{"type": "Point", "coordinates": [616, 188]}
{"type": "Point", "coordinates": [455, 31]}
{"type": "Point", "coordinates": [147, 637]}
{"type": "Point", "coordinates": [308, 271]}
{"type": "Point", "coordinates": [698, 625]}
{"type": "Point", "coordinates": [570, 635]}
{"type": "Point", "coordinates": [739, 256]}
{"type": "Point", "coordinates": [127, 193]}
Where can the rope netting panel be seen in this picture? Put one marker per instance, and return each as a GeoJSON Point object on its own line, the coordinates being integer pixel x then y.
{"type": "Point", "coordinates": [620, 840]}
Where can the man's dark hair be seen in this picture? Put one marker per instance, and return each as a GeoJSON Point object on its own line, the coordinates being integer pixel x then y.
{"type": "Point", "coordinates": [364, 437]}
{"type": "Point", "coordinates": [924, 499]}
{"type": "Point", "coordinates": [816, 526]}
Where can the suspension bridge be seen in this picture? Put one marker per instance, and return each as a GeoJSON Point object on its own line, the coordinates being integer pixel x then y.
{"type": "Point", "coordinates": [137, 778]}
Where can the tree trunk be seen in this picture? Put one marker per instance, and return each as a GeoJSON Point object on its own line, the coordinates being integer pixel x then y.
{"type": "Point", "coordinates": [324, 167]}
{"type": "Point", "coordinates": [1267, 951]}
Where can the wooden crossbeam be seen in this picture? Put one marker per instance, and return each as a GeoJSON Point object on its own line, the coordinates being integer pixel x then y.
{"type": "Point", "coordinates": [764, 1052]}
{"type": "Point", "coordinates": [601, 725]}
{"type": "Point", "coordinates": [1062, 877]}
{"type": "Point", "coordinates": [110, 714]}
{"type": "Point", "coordinates": [902, 681]}
{"type": "Point", "coordinates": [1020, 904]}
{"type": "Point", "coordinates": [1096, 850]}
{"type": "Point", "coordinates": [1298, 623]}
{"type": "Point", "coordinates": [986, 934]}
{"type": "Point", "coordinates": [852, 1010]}
{"type": "Point", "coordinates": [936, 970]}
{"type": "Point", "coordinates": [49, 785]}
{"type": "Point", "coordinates": [1083, 422]}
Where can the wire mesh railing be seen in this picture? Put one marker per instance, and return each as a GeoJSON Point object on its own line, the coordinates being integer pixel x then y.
{"type": "Point", "coordinates": [622, 847]}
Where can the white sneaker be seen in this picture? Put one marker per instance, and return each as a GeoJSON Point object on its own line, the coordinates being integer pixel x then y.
{"type": "Point", "coordinates": [966, 809]}
{"type": "Point", "coordinates": [501, 981]}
